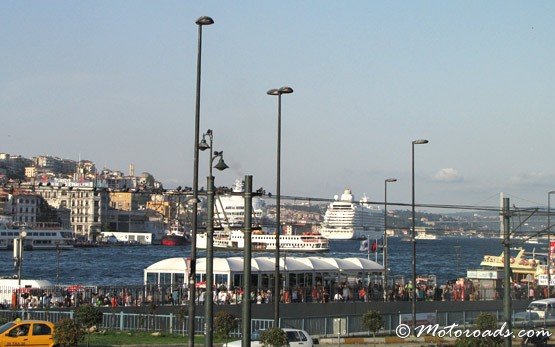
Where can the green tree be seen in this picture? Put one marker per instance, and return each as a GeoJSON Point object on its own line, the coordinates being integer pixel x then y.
{"type": "Point", "coordinates": [88, 316]}
{"type": "Point", "coordinates": [225, 322]}
{"type": "Point", "coordinates": [373, 321]}
{"type": "Point", "coordinates": [273, 337]}
{"type": "Point", "coordinates": [484, 322]}
{"type": "Point", "coordinates": [68, 332]}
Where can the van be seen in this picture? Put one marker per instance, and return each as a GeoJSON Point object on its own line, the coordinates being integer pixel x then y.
{"type": "Point", "coordinates": [544, 308]}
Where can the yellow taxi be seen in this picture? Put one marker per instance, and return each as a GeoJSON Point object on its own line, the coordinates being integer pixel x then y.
{"type": "Point", "coordinates": [27, 333]}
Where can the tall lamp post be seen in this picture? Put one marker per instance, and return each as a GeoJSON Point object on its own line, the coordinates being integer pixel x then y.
{"type": "Point", "coordinates": [209, 298]}
{"type": "Point", "coordinates": [18, 247]}
{"type": "Point", "coordinates": [389, 180]}
{"type": "Point", "coordinates": [549, 242]}
{"type": "Point", "coordinates": [278, 92]}
{"type": "Point", "coordinates": [413, 239]}
{"type": "Point", "coordinates": [193, 267]}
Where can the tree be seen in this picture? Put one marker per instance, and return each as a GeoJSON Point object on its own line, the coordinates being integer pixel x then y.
{"type": "Point", "coordinates": [88, 316]}
{"type": "Point", "coordinates": [484, 322]}
{"type": "Point", "coordinates": [68, 332]}
{"type": "Point", "coordinates": [225, 322]}
{"type": "Point", "coordinates": [373, 321]}
{"type": "Point", "coordinates": [273, 337]}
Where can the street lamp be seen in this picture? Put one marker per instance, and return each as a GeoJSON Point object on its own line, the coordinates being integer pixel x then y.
{"type": "Point", "coordinates": [193, 267]}
{"type": "Point", "coordinates": [389, 180]}
{"type": "Point", "coordinates": [415, 142]}
{"type": "Point", "coordinates": [278, 92]}
{"type": "Point", "coordinates": [549, 242]}
{"type": "Point", "coordinates": [18, 247]}
{"type": "Point", "coordinates": [209, 299]}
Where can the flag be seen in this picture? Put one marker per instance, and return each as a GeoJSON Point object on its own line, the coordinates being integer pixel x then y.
{"type": "Point", "coordinates": [374, 248]}
{"type": "Point", "coordinates": [364, 246]}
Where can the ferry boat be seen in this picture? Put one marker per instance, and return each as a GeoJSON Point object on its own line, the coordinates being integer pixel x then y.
{"type": "Point", "coordinates": [346, 219]}
{"type": "Point", "coordinates": [425, 236]}
{"type": "Point", "coordinates": [521, 265]}
{"type": "Point", "coordinates": [234, 240]}
{"type": "Point", "coordinates": [39, 237]}
{"type": "Point", "coordinates": [229, 208]}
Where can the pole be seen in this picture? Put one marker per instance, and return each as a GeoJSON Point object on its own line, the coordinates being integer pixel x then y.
{"type": "Point", "coordinates": [278, 218]}
{"type": "Point", "coordinates": [384, 262]}
{"type": "Point", "coordinates": [209, 299]}
{"type": "Point", "coordinates": [413, 304]}
{"type": "Point", "coordinates": [193, 263]}
{"type": "Point", "coordinates": [247, 253]}
{"type": "Point", "coordinates": [549, 244]}
{"type": "Point", "coordinates": [507, 303]}
{"type": "Point", "coordinates": [194, 222]}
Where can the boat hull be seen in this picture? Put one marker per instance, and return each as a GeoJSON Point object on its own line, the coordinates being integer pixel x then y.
{"type": "Point", "coordinates": [349, 234]}
{"type": "Point", "coordinates": [174, 240]}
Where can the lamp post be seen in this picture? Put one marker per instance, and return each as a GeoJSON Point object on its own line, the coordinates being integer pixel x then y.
{"type": "Point", "coordinates": [549, 242]}
{"type": "Point", "coordinates": [18, 258]}
{"type": "Point", "coordinates": [413, 234]}
{"type": "Point", "coordinates": [209, 298]}
{"type": "Point", "coordinates": [389, 180]}
{"type": "Point", "coordinates": [193, 267]}
{"type": "Point", "coordinates": [278, 92]}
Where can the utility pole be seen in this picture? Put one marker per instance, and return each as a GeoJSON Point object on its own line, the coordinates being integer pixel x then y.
{"type": "Point", "coordinates": [507, 302]}
{"type": "Point", "coordinates": [246, 314]}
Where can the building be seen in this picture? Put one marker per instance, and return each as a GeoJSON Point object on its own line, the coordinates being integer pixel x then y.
{"type": "Point", "coordinates": [24, 207]}
{"type": "Point", "coordinates": [128, 201]}
{"type": "Point", "coordinates": [87, 205]}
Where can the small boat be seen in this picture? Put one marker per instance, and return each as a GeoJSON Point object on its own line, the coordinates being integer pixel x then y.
{"type": "Point", "coordinates": [175, 235]}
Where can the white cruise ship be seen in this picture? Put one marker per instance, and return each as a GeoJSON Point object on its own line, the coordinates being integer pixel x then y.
{"type": "Point", "coordinates": [234, 240]}
{"type": "Point", "coordinates": [229, 209]}
{"type": "Point", "coordinates": [346, 219]}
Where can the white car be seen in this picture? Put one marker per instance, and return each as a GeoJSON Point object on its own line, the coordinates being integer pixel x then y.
{"type": "Point", "coordinates": [295, 337]}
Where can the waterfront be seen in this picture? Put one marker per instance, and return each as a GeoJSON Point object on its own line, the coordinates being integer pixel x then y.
{"type": "Point", "coordinates": [123, 265]}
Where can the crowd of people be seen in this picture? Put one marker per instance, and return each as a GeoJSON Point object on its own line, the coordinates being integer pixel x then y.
{"type": "Point", "coordinates": [461, 290]}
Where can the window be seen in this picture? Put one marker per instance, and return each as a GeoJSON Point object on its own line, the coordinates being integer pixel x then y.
{"type": "Point", "coordinates": [41, 329]}
{"type": "Point", "coordinates": [293, 336]}
{"type": "Point", "coordinates": [20, 330]}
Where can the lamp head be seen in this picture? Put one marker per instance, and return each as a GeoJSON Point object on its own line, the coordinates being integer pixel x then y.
{"type": "Point", "coordinates": [419, 142]}
{"type": "Point", "coordinates": [285, 90]}
{"type": "Point", "coordinates": [391, 180]}
{"type": "Point", "coordinates": [273, 92]}
{"type": "Point", "coordinates": [203, 145]}
{"type": "Point", "coordinates": [221, 165]}
{"type": "Point", "coordinates": [204, 20]}
{"type": "Point", "coordinates": [23, 233]}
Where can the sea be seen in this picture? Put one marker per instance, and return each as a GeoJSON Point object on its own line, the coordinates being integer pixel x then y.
{"type": "Point", "coordinates": [447, 258]}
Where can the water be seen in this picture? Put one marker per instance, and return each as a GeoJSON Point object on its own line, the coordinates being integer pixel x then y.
{"type": "Point", "coordinates": [447, 259]}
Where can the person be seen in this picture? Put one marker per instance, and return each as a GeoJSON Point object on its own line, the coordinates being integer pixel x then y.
{"type": "Point", "coordinates": [337, 297]}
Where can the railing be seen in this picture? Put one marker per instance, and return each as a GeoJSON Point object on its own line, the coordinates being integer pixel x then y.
{"type": "Point", "coordinates": [315, 326]}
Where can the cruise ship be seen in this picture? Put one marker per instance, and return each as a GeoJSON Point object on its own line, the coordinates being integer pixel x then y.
{"type": "Point", "coordinates": [234, 240]}
{"type": "Point", "coordinates": [42, 236]}
{"type": "Point", "coordinates": [346, 219]}
{"type": "Point", "coordinates": [230, 208]}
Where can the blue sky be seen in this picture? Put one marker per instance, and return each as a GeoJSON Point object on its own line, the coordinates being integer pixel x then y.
{"type": "Point", "coordinates": [115, 83]}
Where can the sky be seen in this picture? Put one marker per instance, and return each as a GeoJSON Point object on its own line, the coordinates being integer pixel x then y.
{"type": "Point", "coordinates": [114, 82]}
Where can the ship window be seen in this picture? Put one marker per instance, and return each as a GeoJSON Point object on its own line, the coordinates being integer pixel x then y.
{"type": "Point", "coordinates": [41, 234]}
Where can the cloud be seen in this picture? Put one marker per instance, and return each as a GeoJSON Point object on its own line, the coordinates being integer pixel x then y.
{"type": "Point", "coordinates": [532, 178]}
{"type": "Point", "coordinates": [448, 175]}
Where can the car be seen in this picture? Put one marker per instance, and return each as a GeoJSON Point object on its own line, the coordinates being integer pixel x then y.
{"type": "Point", "coordinates": [525, 318]}
{"type": "Point", "coordinates": [295, 337]}
{"type": "Point", "coordinates": [27, 333]}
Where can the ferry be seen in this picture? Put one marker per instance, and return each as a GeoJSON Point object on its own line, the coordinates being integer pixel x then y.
{"type": "Point", "coordinates": [42, 236]}
{"type": "Point", "coordinates": [425, 236]}
{"type": "Point", "coordinates": [234, 240]}
{"type": "Point", "coordinates": [346, 219]}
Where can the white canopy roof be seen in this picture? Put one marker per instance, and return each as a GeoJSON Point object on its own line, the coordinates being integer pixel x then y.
{"type": "Point", "coordinates": [267, 265]}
